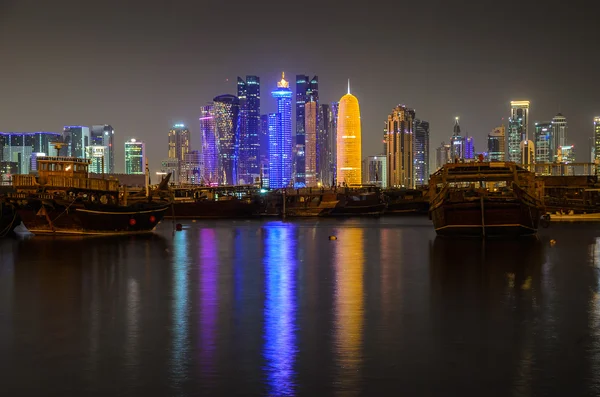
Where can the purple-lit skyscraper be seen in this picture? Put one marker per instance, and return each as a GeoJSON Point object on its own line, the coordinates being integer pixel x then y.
{"type": "Point", "coordinates": [209, 145]}
{"type": "Point", "coordinates": [227, 109]}
{"type": "Point", "coordinates": [280, 142]}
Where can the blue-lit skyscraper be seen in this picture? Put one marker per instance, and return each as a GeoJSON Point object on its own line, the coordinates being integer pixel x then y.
{"type": "Point", "coordinates": [104, 135]}
{"type": "Point", "coordinates": [227, 109]}
{"type": "Point", "coordinates": [249, 125]}
{"type": "Point", "coordinates": [280, 143]}
{"type": "Point", "coordinates": [469, 148]}
{"type": "Point", "coordinates": [210, 152]}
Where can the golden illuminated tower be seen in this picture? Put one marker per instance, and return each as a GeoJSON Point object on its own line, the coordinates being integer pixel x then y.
{"type": "Point", "coordinates": [349, 142]}
{"type": "Point", "coordinates": [310, 153]}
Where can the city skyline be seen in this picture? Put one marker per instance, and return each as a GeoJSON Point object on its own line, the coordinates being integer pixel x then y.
{"type": "Point", "coordinates": [452, 72]}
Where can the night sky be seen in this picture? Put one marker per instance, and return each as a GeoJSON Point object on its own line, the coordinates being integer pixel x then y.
{"type": "Point", "coordinates": [143, 66]}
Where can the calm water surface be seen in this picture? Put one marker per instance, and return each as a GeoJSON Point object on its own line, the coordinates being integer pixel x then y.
{"type": "Point", "coordinates": [276, 308]}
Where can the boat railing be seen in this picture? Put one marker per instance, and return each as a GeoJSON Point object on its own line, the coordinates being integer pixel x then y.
{"type": "Point", "coordinates": [29, 181]}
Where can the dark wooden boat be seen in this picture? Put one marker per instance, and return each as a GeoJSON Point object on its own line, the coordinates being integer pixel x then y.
{"type": "Point", "coordinates": [406, 202]}
{"type": "Point", "coordinates": [485, 199]}
{"type": "Point", "coordinates": [359, 202]}
{"type": "Point", "coordinates": [9, 219]}
{"type": "Point", "coordinates": [63, 199]}
{"type": "Point", "coordinates": [308, 202]}
{"type": "Point", "coordinates": [214, 202]}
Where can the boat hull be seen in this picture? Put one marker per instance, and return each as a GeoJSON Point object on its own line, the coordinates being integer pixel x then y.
{"type": "Point", "coordinates": [499, 218]}
{"type": "Point", "coordinates": [9, 220]}
{"type": "Point", "coordinates": [209, 209]}
{"type": "Point", "coordinates": [358, 210]}
{"type": "Point", "coordinates": [51, 217]}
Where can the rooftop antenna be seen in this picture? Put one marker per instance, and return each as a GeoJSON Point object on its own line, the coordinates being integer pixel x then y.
{"type": "Point", "coordinates": [348, 86]}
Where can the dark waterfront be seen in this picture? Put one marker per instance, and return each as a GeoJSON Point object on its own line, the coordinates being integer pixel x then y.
{"type": "Point", "coordinates": [276, 308]}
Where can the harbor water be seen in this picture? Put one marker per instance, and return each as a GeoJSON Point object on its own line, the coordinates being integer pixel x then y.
{"type": "Point", "coordinates": [278, 308]}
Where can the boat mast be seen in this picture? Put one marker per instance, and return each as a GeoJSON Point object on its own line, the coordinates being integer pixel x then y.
{"type": "Point", "coordinates": [147, 180]}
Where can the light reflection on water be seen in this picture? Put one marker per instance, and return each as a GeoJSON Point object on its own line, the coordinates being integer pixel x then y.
{"type": "Point", "coordinates": [280, 348]}
{"type": "Point", "coordinates": [209, 301]}
{"type": "Point", "coordinates": [180, 308]}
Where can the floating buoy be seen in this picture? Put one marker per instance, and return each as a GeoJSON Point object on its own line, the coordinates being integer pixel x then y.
{"type": "Point", "coordinates": [332, 238]}
{"type": "Point", "coordinates": [552, 243]}
{"type": "Point", "coordinates": [179, 227]}
{"type": "Point", "coordinates": [193, 221]}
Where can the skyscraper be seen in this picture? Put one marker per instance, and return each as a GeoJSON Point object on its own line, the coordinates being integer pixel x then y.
{"type": "Point", "coordinates": [210, 153]}
{"type": "Point", "coordinates": [305, 89]}
{"type": "Point", "coordinates": [457, 143]}
{"type": "Point", "coordinates": [469, 148]}
{"type": "Point", "coordinates": [400, 141]}
{"type": "Point", "coordinates": [559, 133]}
{"type": "Point", "coordinates": [249, 126]}
{"type": "Point", "coordinates": [310, 130]}
{"type": "Point", "coordinates": [517, 129]}
{"type": "Point", "coordinates": [104, 135]}
{"type": "Point", "coordinates": [421, 152]}
{"type": "Point", "coordinates": [78, 139]}
{"type": "Point", "coordinates": [597, 141]}
{"type": "Point", "coordinates": [442, 155]}
{"type": "Point", "coordinates": [280, 148]}
{"type": "Point", "coordinates": [135, 156]}
{"type": "Point", "coordinates": [496, 144]}
{"type": "Point", "coordinates": [333, 116]}
{"type": "Point", "coordinates": [191, 168]}
{"type": "Point", "coordinates": [324, 156]}
{"type": "Point", "coordinates": [227, 110]}
{"type": "Point", "coordinates": [375, 170]}
{"type": "Point", "coordinates": [179, 142]}
{"type": "Point", "coordinates": [544, 152]}
{"type": "Point", "coordinates": [349, 141]}
{"type": "Point", "coordinates": [264, 148]}
{"type": "Point", "coordinates": [527, 149]}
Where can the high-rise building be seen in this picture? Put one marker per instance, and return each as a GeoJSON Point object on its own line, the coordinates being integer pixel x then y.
{"type": "Point", "coordinates": [527, 149]}
{"type": "Point", "coordinates": [517, 129]}
{"type": "Point", "coordinates": [544, 152]}
{"type": "Point", "coordinates": [349, 141]}
{"type": "Point", "coordinates": [171, 166]}
{"type": "Point", "coordinates": [77, 138]}
{"type": "Point", "coordinates": [443, 155]}
{"type": "Point", "coordinates": [333, 116]}
{"type": "Point", "coordinates": [191, 168]}
{"type": "Point", "coordinates": [469, 148]}
{"type": "Point", "coordinates": [566, 154]}
{"type": "Point", "coordinates": [559, 133]}
{"type": "Point", "coordinates": [374, 170]}
{"type": "Point", "coordinates": [597, 141]}
{"type": "Point", "coordinates": [497, 144]}
{"type": "Point", "coordinates": [310, 130]}
{"type": "Point", "coordinates": [324, 156]}
{"type": "Point", "coordinates": [43, 142]}
{"type": "Point", "coordinates": [457, 143]}
{"type": "Point", "coordinates": [249, 127]}
{"type": "Point", "coordinates": [280, 147]}
{"type": "Point", "coordinates": [210, 148]}
{"type": "Point", "coordinates": [104, 135]}
{"type": "Point", "coordinates": [421, 152]}
{"type": "Point", "coordinates": [23, 148]}
{"type": "Point", "coordinates": [305, 90]}
{"type": "Point", "coordinates": [179, 143]}
{"type": "Point", "coordinates": [227, 110]}
{"type": "Point", "coordinates": [135, 157]}
{"type": "Point", "coordinates": [400, 141]}
{"type": "Point", "coordinates": [97, 155]}
{"type": "Point", "coordinates": [264, 149]}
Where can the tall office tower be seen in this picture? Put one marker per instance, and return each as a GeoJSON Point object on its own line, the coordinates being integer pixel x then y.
{"type": "Point", "coordinates": [349, 141]}
{"type": "Point", "coordinates": [305, 89]}
{"type": "Point", "coordinates": [517, 129]}
{"type": "Point", "coordinates": [323, 146]}
{"type": "Point", "coordinates": [179, 142]}
{"type": "Point", "coordinates": [77, 138]}
{"type": "Point", "coordinates": [375, 170]}
{"type": "Point", "coordinates": [264, 148]}
{"type": "Point", "coordinates": [469, 148]}
{"type": "Point", "coordinates": [333, 115]}
{"type": "Point", "coordinates": [280, 148]}
{"type": "Point", "coordinates": [566, 154]}
{"type": "Point", "coordinates": [210, 148]}
{"type": "Point", "coordinates": [135, 157]}
{"type": "Point", "coordinates": [18, 150]}
{"type": "Point", "coordinates": [544, 151]}
{"type": "Point", "coordinates": [421, 152]}
{"type": "Point", "coordinates": [400, 141]}
{"type": "Point", "coordinates": [527, 149]}
{"type": "Point", "coordinates": [310, 130]}
{"type": "Point", "coordinates": [442, 155]}
{"type": "Point", "coordinates": [597, 141]}
{"type": "Point", "coordinates": [192, 168]}
{"type": "Point", "coordinates": [275, 163]}
{"type": "Point", "coordinates": [227, 110]}
{"type": "Point", "coordinates": [559, 132]}
{"type": "Point", "coordinates": [457, 143]}
{"type": "Point", "coordinates": [42, 142]}
{"type": "Point", "coordinates": [104, 135]}
{"type": "Point", "coordinates": [249, 126]}
{"type": "Point", "coordinates": [496, 144]}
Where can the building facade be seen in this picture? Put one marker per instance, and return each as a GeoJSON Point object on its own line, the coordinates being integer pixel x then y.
{"type": "Point", "coordinates": [23, 148]}
{"type": "Point", "coordinates": [210, 148]}
{"type": "Point", "coordinates": [469, 148]}
{"type": "Point", "coordinates": [280, 147]}
{"type": "Point", "coordinates": [597, 141]}
{"type": "Point", "coordinates": [421, 152]}
{"type": "Point", "coordinates": [527, 149]}
{"type": "Point", "coordinates": [544, 151]}
{"type": "Point", "coordinates": [305, 90]}
{"type": "Point", "coordinates": [249, 129]}
{"type": "Point", "coordinates": [497, 144]}
{"type": "Point", "coordinates": [324, 156]}
{"type": "Point", "coordinates": [457, 143]}
{"type": "Point", "coordinates": [104, 135]}
{"type": "Point", "coordinates": [191, 169]}
{"type": "Point", "coordinates": [559, 133]}
{"type": "Point", "coordinates": [374, 170]}
{"type": "Point", "coordinates": [77, 138]}
{"type": "Point", "coordinates": [443, 155]}
{"type": "Point", "coordinates": [135, 157]}
{"type": "Point", "coordinates": [400, 148]}
{"type": "Point", "coordinates": [264, 149]}
{"type": "Point", "coordinates": [333, 115]}
{"type": "Point", "coordinates": [349, 141]}
{"type": "Point", "coordinates": [310, 131]}
{"type": "Point", "coordinates": [227, 110]}
{"type": "Point", "coordinates": [517, 129]}
{"type": "Point", "coordinates": [179, 143]}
